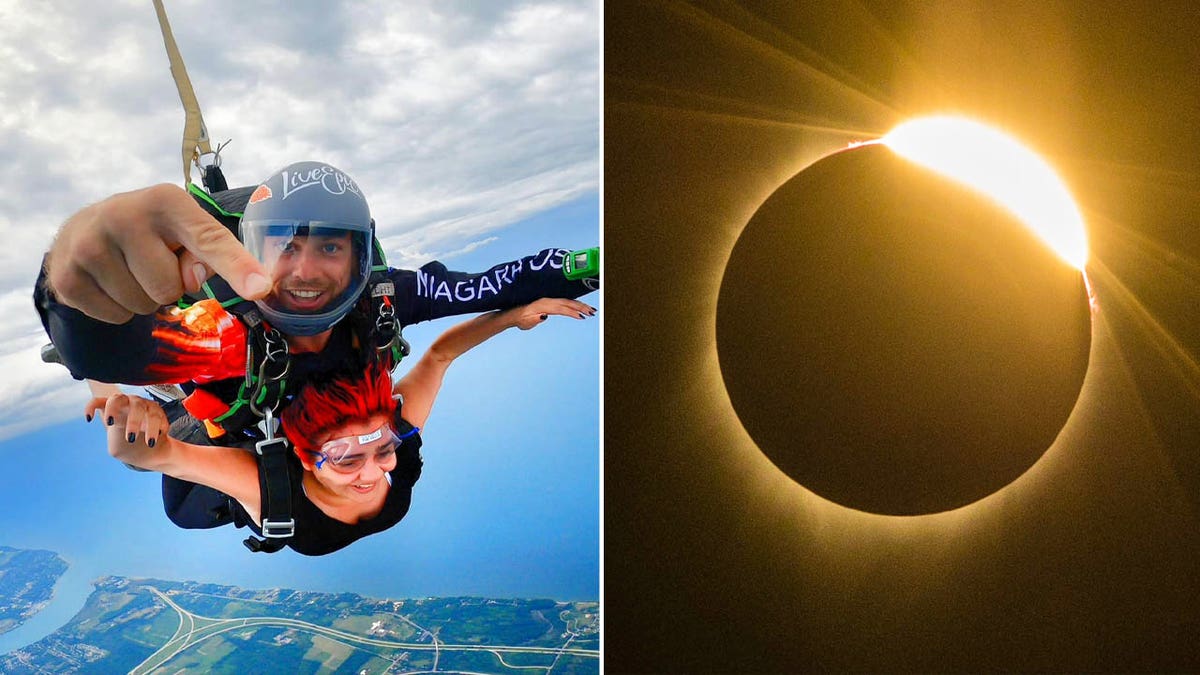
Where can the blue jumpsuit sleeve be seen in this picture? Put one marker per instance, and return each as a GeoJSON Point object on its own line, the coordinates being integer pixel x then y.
{"type": "Point", "coordinates": [433, 291]}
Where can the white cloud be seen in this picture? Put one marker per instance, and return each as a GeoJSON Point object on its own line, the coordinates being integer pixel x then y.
{"type": "Point", "coordinates": [456, 118]}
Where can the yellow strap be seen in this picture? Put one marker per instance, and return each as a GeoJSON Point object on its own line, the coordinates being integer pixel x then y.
{"type": "Point", "coordinates": [195, 134]}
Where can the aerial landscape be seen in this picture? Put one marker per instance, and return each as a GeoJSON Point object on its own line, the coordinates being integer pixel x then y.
{"type": "Point", "coordinates": [27, 580]}
{"type": "Point", "coordinates": [150, 625]}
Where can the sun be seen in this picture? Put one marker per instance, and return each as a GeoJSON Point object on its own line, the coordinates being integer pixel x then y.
{"type": "Point", "coordinates": [994, 163]}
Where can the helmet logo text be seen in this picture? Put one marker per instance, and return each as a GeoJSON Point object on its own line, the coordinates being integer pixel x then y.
{"type": "Point", "coordinates": [333, 181]}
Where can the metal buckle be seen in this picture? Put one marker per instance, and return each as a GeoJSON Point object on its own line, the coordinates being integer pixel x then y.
{"type": "Point", "coordinates": [273, 444]}
{"type": "Point", "coordinates": [278, 529]}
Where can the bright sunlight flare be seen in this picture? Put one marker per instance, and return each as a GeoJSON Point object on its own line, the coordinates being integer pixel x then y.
{"type": "Point", "coordinates": [994, 163]}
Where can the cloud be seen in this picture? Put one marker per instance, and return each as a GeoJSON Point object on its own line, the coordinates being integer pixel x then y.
{"type": "Point", "coordinates": [457, 119]}
{"type": "Point", "coordinates": [411, 258]}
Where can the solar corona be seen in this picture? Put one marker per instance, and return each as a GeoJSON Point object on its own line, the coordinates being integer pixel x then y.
{"type": "Point", "coordinates": [904, 326]}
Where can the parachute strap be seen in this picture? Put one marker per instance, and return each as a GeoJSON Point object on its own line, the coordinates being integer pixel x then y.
{"type": "Point", "coordinates": [267, 365]}
{"type": "Point", "coordinates": [389, 337]}
{"type": "Point", "coordinates": [268, 362]}
{"type": "Point", "coordinates": [195, 134]}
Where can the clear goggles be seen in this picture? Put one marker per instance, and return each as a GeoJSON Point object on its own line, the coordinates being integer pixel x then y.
{"type": "Point", "coordinates": [348, 454]}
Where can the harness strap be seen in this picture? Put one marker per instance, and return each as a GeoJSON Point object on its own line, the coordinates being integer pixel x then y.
{"type": "Point", "coordinates": [266, 386]}
{"type": "Point", "coordinates": [260, 393]}
{"type": "Point", "coordinates": [275, 490]}
{"type": "Point", "coordinates": [275, 486]}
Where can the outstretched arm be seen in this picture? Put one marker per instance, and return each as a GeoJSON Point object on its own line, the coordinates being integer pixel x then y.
{"type": "Point", "coordinates": [420, 385]}
{"type": "Point", "coordinates": [137, 435]}
{"type": "Point", "coordinates": [433, 291]}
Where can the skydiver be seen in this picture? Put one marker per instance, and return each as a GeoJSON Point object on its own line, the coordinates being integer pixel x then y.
{"type": "Point", "coordinates": [304, 259]}
{"type": "Point", "coordinates": [356, 446]}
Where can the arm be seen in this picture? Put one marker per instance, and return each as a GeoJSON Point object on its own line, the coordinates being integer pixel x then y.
{"type": "Point", "coordinates": [420, 385]}
{"type": "Point", "coordinates": [228, 470]}
{"type": "Point", "coordinates": [115, 263]}
{"type": "Point", "coordinates": [78, 337]}
{"type": "Point", "coordinates": [433, 291]}
{"type": "Point", "coordinates": [203, 342]}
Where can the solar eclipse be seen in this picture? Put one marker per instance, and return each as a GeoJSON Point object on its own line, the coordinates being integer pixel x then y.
{"type": "Point", "coordinates": [903, 327]}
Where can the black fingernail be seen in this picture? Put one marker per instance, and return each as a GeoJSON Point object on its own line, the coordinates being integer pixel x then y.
{"type": "Point", "coordinates": [581, 315]}
{"type": "Point", "coordinates": [544, 317]}
{"type": "Point", "coordinates": [150, 442]}
{"type": "Point", "coordinates": [110, 421]}
{"type": "Point", "coordinates": [88, 417]}
{"type": "Point", "coordinates": [131, 437]}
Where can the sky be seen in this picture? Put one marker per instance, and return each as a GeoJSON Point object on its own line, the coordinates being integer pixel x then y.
{"type": "Point", "coordinates": [473, 130]}
{"type": "Point", "coordinates": [457, 119]}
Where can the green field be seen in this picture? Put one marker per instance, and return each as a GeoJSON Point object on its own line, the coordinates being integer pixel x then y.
{"type": "Point", "coordinates": [147, 625]}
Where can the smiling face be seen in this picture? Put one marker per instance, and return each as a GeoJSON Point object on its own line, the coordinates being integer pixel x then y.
{"type": "Point", "coordinates": [366, 483]}
{"type": "Point", "coordinates": [308, 273]}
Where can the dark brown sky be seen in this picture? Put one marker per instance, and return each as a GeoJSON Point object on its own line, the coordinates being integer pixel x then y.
{"type": "Point", "coordinates": [714, 561]}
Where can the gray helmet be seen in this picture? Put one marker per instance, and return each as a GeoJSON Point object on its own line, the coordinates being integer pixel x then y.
{"type": "Point", "coordinates": [310, 227]}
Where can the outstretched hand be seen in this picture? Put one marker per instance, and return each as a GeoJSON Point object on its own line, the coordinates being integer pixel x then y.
{"type": "Point", "coordinates": [136, 251]}
{"type": "Point", "coordinates": [536, 312]}
{"type": "Point", "coordinates": [138, 421]}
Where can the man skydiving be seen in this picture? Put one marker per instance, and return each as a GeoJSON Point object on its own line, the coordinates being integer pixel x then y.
{"type": "Point", "coordinates": [306, 258]}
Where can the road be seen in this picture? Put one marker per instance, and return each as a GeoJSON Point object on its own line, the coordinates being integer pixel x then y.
{"type": "Point", "coordinates": [194, 629]}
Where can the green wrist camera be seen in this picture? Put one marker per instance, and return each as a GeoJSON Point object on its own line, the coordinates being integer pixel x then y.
{"type": "Point", "coordinates": [582, 264]}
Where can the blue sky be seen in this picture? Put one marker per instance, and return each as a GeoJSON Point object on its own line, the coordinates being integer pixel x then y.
{"type": "Point", "coordinates": [473, 129]}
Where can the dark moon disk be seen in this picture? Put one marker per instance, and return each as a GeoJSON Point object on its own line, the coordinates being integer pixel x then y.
{"type": "Point", "coordinates": [895, 342]}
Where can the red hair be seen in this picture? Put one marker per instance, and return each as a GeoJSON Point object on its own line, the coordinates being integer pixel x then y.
{"type": "Point", "coordinates": [323, 405]}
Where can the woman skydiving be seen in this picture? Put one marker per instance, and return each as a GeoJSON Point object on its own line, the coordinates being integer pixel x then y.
{"type": "Point", "coordinates": [355, 438]}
